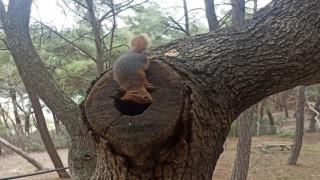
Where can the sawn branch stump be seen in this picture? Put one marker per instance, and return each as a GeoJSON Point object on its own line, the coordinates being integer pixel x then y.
{"type": "Point", "coordinates": [144, 138]}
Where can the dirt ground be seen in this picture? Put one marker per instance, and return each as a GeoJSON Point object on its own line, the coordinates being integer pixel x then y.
{"type": "Point", "coordinates": [262, 165]}
{"type": "Point", "coordinates": [14, 165]}
{"type": "Point", "coordinates": [267, 166]}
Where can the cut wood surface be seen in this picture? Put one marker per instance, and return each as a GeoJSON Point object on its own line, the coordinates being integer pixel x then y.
{"type": "Point", "coordinates": [137, 136]}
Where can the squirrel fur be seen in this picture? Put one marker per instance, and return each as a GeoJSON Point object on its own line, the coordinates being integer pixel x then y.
{"type": "Point", "coordinates": [129, 71]}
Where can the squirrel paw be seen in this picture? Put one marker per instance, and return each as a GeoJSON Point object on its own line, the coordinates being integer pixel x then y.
{"type": "Point", "coordinates": [149, 86]}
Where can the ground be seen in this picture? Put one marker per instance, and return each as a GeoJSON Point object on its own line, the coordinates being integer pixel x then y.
{"type": "Point", "coordinates": [273, 166]}
{"type": "Point", "coordinates": [262, 165]}
{"type": "Point", "coordinates": [14, 165]}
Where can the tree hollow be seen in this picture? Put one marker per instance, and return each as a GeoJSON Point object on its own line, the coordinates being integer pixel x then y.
{"type": "Point", "coordinates": [144, 138]}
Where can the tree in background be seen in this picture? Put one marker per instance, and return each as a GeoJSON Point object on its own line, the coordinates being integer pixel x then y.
{"type": "Point", "coordinates": [211, 15]}
{"type": "Point", "coordinates": [297, 141]}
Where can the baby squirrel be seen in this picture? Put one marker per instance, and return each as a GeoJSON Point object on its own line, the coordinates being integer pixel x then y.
{"type": "Point", "coordinates": [129, 71]}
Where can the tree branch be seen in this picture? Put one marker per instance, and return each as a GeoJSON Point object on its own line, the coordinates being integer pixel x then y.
{"type": "Point", "coordinates": [83, 51]}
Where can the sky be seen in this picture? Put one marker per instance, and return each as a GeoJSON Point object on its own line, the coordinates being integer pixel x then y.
{"type": "Point", "coordinates": [50, 12]}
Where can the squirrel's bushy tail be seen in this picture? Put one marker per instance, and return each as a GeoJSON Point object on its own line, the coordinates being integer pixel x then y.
{"type": "Point", "coordinates": [139, 43]}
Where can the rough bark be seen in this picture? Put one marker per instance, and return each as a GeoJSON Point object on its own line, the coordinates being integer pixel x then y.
{"type": "Point", "coordinates": [241, 163]}
{"type": "Point", "coordinates": [44, 132]}
{"type": "Point", "coordinates": [15, 22]}
{"type": "Point", "coordinates": [211, 15]}
{"type": "Point", "coordinates": [297, 141]}
{"type": "Point", "coordinates": [312, 125]}
{"type": "Point", "coordinates": [23, 154]}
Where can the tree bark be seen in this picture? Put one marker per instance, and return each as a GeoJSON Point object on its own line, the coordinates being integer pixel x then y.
{"type": "Point", "coordinates": [312, 125]}
{"type": "Point", "coordinates": [31, 160]}
{"type": "Point", "coordinates": [222, 74]}
{"type": "Point", "coordinates": [211, 15]}
{"type": "Point", "coordinates": [15, 22]}
{"type": "Point", "coordinates": [297, 141]}
{"type": "Point", "coordinates": [241, 163]}
{"type": "Point", "coordinates": [44, 132]}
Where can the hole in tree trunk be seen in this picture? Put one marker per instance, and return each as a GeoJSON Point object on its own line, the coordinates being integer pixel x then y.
{"type": "Point", "coordinates": [128, 107]}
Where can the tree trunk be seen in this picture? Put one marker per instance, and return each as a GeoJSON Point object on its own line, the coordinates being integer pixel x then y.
{"type": "Point", "coordinates": [241, 163]}
{"type": "Point", "coordinates": [312, 125]}
{"type": "Point", "coordinates": [262, 105]}
{"type": "Point", "coordinates": [96, 30]}
{"type": "Point", "coordinates": [44, 132]}
{"type": "Point", "coordinates": [286, 112]}
{"type": "Point", "coordinates": [31, 160]}
{"type": "Point", "coordinates": [273, 129]}
{"type": "Point", "coordinates": [15, 112]}
{"type": "Point", "coordinates": [255, 6]}
{"type": "Point", "coordinates": [186, 18]}
{"type": "Point", "coordinates": [297, 141]}
{"type": "Point", "coordinates": [56, 123]}
{"type": "Point", "coordinates": [211, 15]}
{"type": "Point", "coordinates": [27, 123]}
{"type": "Point", "coordinates": [238, 11]}
{"type": "Point", "coordinates": [222, 74]}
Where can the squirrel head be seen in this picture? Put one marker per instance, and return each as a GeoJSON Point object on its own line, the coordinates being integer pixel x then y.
{"type": "Point", "coordinates": [138, 96]}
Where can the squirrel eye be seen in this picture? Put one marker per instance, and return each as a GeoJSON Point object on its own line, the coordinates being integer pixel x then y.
{"type": "Point", "coordinates": [134, 92]}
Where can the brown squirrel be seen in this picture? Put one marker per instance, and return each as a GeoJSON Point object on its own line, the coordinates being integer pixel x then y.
{"type": "Point", "coordinates": [129, 71]}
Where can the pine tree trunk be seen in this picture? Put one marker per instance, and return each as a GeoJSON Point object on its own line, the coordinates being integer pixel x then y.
{"type": "Point", "coordinates": [312, 125]}
{"type": "Point", "coordinates": [297, 141]}
{"type": "Point", "coordinates": [44, 132]}
{"type": "Point", "coordinates": [273, 129]}
{"type": "Point", "coordinates": [211, 15]}
{"type": "Point", "coordinates": [241, 163]}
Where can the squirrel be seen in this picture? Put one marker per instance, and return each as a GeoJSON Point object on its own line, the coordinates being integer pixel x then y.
{"type": "Point", "coordinates": [129, 71]}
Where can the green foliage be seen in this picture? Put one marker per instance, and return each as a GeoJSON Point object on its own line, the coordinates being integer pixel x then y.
{"type": "Point", "coordinates": [154, 20]}
{"type": "Point", "coordinates": [286, 134]}
{"type": "Point", "coordinates": [233, 130]}
{"type": "Point", "coordinates": [2, 127]}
